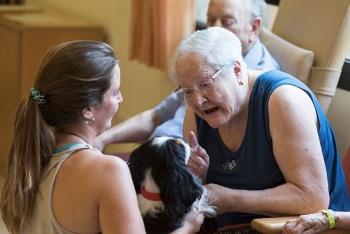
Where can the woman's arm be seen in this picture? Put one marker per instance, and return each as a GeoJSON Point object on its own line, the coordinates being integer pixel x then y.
{"type": "Point", "coordinates": [192, 223]}
{"type": "Point", "coordinates": [297, 150]}
{"type": "Point", "coordinates": [118, 208]}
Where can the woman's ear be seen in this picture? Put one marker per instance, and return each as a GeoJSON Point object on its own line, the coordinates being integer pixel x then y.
{"type": "Point", "coordinates": [87, 113]}
{"type": "Point", "coordinates": [256, 25]}
{"type": "Point", "coordinates": [238, 70]}
{"type": "Point", "coordinates": [88, 116]}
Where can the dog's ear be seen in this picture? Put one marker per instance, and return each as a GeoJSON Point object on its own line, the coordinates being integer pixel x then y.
{"type": "Point", "coordinates": [140, 160]}
{"type": "Point", "coordinates": [178, 187]}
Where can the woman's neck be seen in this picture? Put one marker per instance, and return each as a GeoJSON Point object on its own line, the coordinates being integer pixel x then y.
{"type": "Point", "coordinates": [237, 125]}
{"type": "Point", "coordinates": [69, 135]}
{"type": "Point", "coordinates": [233, 133]}
{"type": "Point", "coordinates": [81, 137]}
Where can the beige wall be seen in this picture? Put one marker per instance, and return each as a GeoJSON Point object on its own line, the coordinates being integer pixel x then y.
{"type": "Point", "coordinates": [142, 87]}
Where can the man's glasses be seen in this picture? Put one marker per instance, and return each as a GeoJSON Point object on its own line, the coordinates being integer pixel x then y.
{"type": "Point", "coordinates": [203, 87]}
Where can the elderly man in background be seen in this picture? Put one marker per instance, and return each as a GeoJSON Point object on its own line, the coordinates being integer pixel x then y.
{"type": "Point", "coordinates": [242, 17]}
{"type": "Point", "coordinates": [268, 148]}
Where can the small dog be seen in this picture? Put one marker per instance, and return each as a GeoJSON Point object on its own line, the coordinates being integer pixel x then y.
{"type": "Point", "coordinates": [166, 189]}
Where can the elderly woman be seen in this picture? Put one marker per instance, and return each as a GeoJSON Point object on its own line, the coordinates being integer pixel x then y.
{"type": "Point", "coordinates": [268, 147]}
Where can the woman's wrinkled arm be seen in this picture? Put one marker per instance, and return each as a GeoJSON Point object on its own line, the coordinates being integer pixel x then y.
{"type": "Point", "coordinates": [297, 150]}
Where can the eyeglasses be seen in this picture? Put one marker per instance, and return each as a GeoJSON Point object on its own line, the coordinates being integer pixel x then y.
{"type": "Point", "coordinates": [204, 87]}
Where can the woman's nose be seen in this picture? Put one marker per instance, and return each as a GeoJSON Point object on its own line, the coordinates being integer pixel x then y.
{"type": "Point", "coordinates": [120, 98]}
{"type": "Point", "coordinates": [198, 98]}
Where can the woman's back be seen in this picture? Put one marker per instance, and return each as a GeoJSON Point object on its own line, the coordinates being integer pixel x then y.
{"type": "Point", "coordinates": [74, 194]}
{"type": "Point", "coordinates": [77, 186]}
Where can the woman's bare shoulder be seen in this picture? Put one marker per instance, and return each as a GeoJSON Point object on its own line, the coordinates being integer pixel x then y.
{"type": "Point", "coordinates": [106, 163]}
{"type": "Point", "coordinates": [98, 159]}
{"type": "Point", "coordinates": [97, 167]}
{"type": "Point", "coordinates": [110, 164]}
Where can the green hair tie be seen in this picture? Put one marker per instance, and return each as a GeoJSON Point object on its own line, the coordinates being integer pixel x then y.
{"type": "Point", "coordinates": [37, 96]}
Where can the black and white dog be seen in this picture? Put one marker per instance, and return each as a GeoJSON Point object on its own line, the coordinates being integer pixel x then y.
{"type": "Point", "coordinates": [166, 189]}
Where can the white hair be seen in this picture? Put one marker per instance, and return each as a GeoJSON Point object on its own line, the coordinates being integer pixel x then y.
{"type": "Point", "coordinates": [257, 7]}
{"type": "Point", "coordinates": [214, 47]}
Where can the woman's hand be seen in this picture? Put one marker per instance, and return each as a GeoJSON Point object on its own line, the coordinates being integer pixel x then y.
{"type": "Point", "coordinates": [192, 222]}
{"type": "Point", "coordinates": [311, 223]}
{"type": "Point", "coordinates": [199, 161]}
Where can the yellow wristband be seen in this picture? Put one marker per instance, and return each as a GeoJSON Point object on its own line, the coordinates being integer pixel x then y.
{"type": "Point", "coordinates": [330, 216]}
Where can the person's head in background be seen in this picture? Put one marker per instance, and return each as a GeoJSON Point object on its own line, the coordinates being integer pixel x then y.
{"type": "Point", "coordinates": [242, 17]}
{"type": "Point", "coordinates": [76, 90]}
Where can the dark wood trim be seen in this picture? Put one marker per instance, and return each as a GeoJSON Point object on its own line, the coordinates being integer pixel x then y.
{"type": "Point", "coordinates": [344, 80]}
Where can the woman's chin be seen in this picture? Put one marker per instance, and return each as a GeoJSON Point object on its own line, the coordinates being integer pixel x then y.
{"type": "Point", "coordinates": [107, 126]}
{"type": "Point", "coordinates": [214, 123]}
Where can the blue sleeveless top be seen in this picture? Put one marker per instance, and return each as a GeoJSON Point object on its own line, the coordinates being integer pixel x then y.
{"type": "Point", "coordinates": [253, 165]}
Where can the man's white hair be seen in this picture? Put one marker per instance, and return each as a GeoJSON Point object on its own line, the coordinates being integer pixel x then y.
{"type": "Point", "coordinates": [257, 7]}
{"type": "Point", "coordinates": [213, 47]}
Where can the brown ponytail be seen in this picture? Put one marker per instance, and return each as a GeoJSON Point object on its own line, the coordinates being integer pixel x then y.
{"type": "Point", "coordinates": [29, 154]}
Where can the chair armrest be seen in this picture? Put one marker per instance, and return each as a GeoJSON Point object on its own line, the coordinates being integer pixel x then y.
{"type": "Point", "coordinates": [270, 225]}
{"type": "Point", "coordinates": [233, 228]}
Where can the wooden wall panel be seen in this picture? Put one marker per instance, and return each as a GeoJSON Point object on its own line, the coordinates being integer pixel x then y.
{"type": "Point", "coordinates": [9, 92]}
{"type": "Point", "coordinates": [24, 40]}
{"type": "Point", "coordinates": [33, 49]}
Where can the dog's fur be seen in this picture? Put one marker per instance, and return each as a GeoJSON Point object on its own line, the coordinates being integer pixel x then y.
{"type": "Point", "coordinates": [159, 166]}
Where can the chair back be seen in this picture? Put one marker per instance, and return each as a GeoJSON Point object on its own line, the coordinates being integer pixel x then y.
{"type": "Point", "coordinates": [322, 26]}
{"type": "Point", "coordinates": [291, 58]}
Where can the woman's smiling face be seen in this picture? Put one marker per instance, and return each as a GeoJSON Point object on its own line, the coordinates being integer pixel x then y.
{"type": "Point", "coordinates": [109, 106]}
